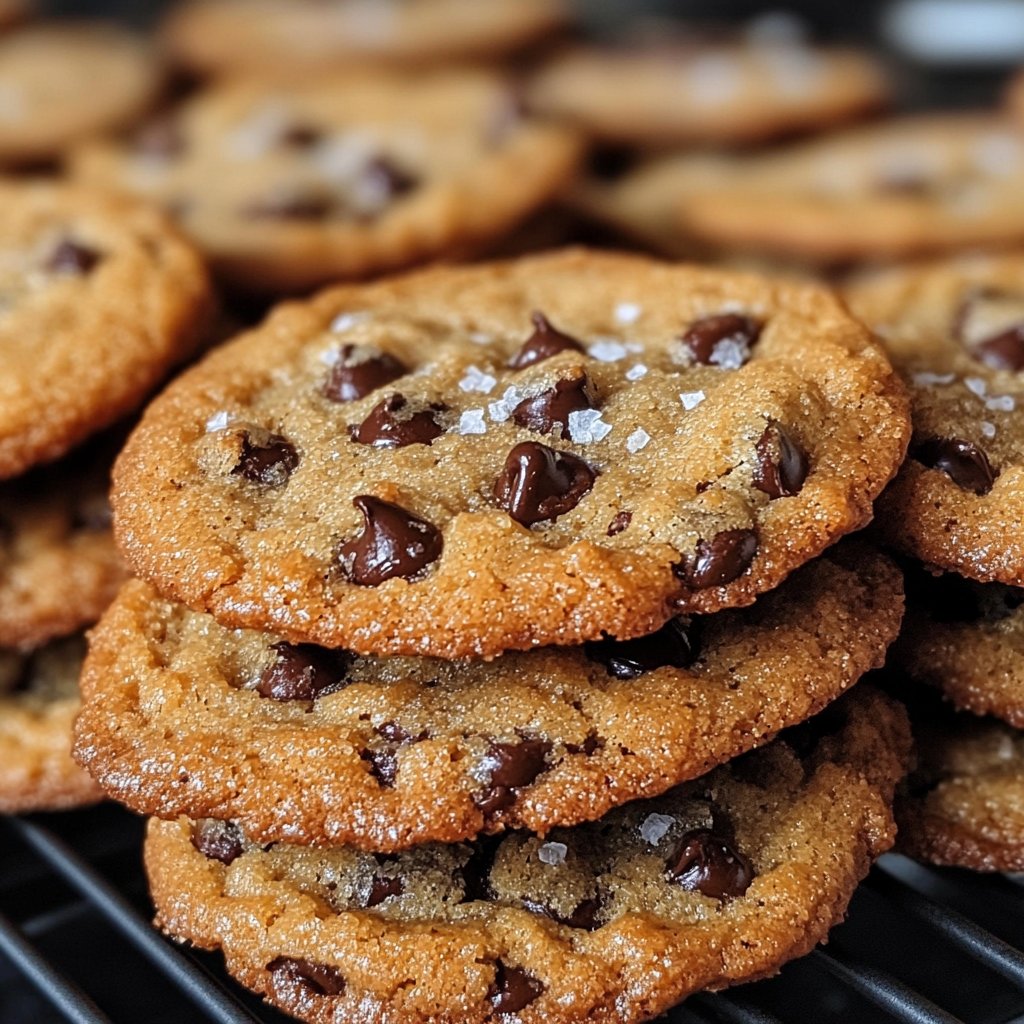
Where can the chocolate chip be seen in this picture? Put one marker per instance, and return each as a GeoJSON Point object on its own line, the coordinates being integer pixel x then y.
{"type": "Point", "coordinates": [218, 840]}
{"type": "Point", "coordinates": [724, 340]}
{"type": "Point", "coordinates": [476, 871]}
{"type": "Point", "coordinates": [720, 560]}
{"type": "Point", "coordinates": [619, 522]}
{"type": "Point", "coordinates": [300, 136]}
{"type": "Point", "coordinates": [590, 745]}
{"type": "Point", "coordinates": [513, 989]}
{"type": "Point", "coordinates": [71, 257]}
{"type": "Point", "coordinates": [320, 979]}
{"type": "Point", "coordinates": [545, 342]}
{"type": "Point", "coordinates": [708, 864]}
{"type": "Point", "coordinates": [302, 672]}
{"type": "Point", "coordinates": [1002, 351]}
{"type": "Point", "coordinates": [382, 888]}
{"type": "Point", "coordinates": [539, 483]}
{"type": "Point", "coordinates": [359, 370]}
{"type": "Point", "coordinates": [962, 461]}
{"type": "Point", "coordinates": [387, 179]}
{"type": "Point", "coordinates": [674, 645]}
{"type": "Point", "coordinates": [269, 462]}
{"type": "Point", "coordinates": [393, 542]}
{"type": "Point", "coordinates": [160, 139]}
{"type": "Point", "coordinates": [782, 465]}
{"type": "Point", "coordinates": [290, 207]}
{"type": "Point", "coordinates": [511, 766]}
{"type": "Point", "coordinates": [393, 732]}
{"type": "Point", "coordinates": [552, 407]}
{"type": "Point", "coordinates": [583, 917]}
{"type": "Point", "coordinates": [392, 424]}
{"type": "Point", "coordinates": [383, 766]}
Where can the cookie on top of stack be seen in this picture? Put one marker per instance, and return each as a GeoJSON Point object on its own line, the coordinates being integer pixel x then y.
{"type": "Point", "coordinates": [362, 529]}
{"type": "Point", "coordinates": [955, 330]}
{"type": "Point", "coordinates": [100, 297]}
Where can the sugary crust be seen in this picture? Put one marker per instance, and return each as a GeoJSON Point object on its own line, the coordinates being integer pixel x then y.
{"type": "Point", "coordinates": [81, 350]}
{"type": "Point", "coordinates": [59, 567]}
{"type": "Point", "coordinates": [924, 513]}
{"type": "Point", "coordinates": [964, 804]}
{"type": "Point", "coordinates": [811, 834]}
{"type": "Point", "coordinates": [724, 94]}
{"type": "Point", "coordinates": [36, 769]}
{"type": "Point", "coordinates": [479, 177]}
{"type": "Point", "coordinates": [107, 78]}
{"type": "Point", "coordinates": [165, 730]}
{"type": "Point", "coordinates": [283, 37]}
{"type": "Point", "coordinates": [906, 187]}
{"type": "Point", "coordinates": [498, 586]}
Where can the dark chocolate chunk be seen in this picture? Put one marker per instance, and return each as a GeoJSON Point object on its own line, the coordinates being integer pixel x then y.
{"type": "Point", "coordinates": [302, 672]}
{"type": "Point", "coordinates": [723, 340]}
{"type": "Point", "coordinates": [545, 342]}
{"type": "Point", "coordinates": [551, 408]}
{"type": "Point", "coordinates": [513, 989]}
{"type": "Point", "coordinates": [320, 979]}
{"type": "Point", "coordinates": [539, 483]}
{"type": "Point", "coordinates": [218, 840]}
{"type": "Point", "coordinates": [393, 542]}
{"type": "Point", "coordinates": [782, 465]}
{"type": "Point", "coordinates": [360, 370]}
{"type": "Point", "coordinates": [392, 424]}
{"type": "Point", "coordinates": [709, 864]}
{"type": "Point", "coordinates": [269, 461]}
{"type": "Point", "coordinates": [962, 461]}
{"type": "Point", "coordinates": [720, 560]}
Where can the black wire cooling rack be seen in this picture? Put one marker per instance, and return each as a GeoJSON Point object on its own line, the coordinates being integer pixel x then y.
{"type": "Point", "coordinates": [921, 946]}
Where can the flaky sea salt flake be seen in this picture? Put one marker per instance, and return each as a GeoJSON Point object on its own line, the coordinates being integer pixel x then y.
{"type": "Point", "coordinates": [691, 399]}
{"type": "Point", "coordinates": [472, 422]}
{"type": "Point", "coordinates": [637, 440]}
{"type": "Point", "coordinates": [218, 421]}
{"type": "Point", "coordinates": [636, 371]}
{"type": "Point", "coordinates": [479, 380]}
{"type": "Point", "coordinates": [627, 312]}
{"type": "Point", "coordinates": [586, 426]}
{"type": "Point", "coordinates": [987, 429]}
{"type": "Point", "coordinates": [976, 385]}
{"type": "Point", "coordinates": [608, 350]}
{"type": "Point", "coordinates": [1001, 403]}
{"type": "Point", "coordinates": [655, 827]}
{"type": "Point", "coordinates": [552, 853]}
{"type": "Point", "coordinates": [926, 379]}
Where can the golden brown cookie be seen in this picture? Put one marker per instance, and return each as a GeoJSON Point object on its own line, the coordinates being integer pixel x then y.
{"type": "Point", "coordinates": [99, 298]}
{"type": "Point", "coordinates": [963, 805]}
{"type": "Point", "coordinates": [414, 467]}
{"type": "Point", "coordinates": [59, 568]}
{"type": "Point", "coordinates": [302, 744]}
{"type": "Point", "coordinates": [286, 187]}
{"type": "Point", "coordinates": [718, 882]}
{"type": "Point", "coordinates": [297, 37]}
{"type": "Point", "coordinates": [38, 703]}
{"type": "Point", "coordinates": [63, 82]}
{"type": "Point", "coordinates": [903, 187]}
{"type": "Point", "coordinates": [955, 331]}
{"type": "Point", "coordinates": [716, 94]}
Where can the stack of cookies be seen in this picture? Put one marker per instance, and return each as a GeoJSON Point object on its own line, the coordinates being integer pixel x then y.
{"type": "Point", "coordinates": [100, 297]}
{"type": "Point", "coordinates": [483, 620]}
{"type": "Point", "coordinates": [955, 330]}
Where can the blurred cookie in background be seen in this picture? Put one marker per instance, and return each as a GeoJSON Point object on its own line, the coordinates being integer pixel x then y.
{"type": "Point", "coordinates": [62, 82]}
{"type": "Point", "coordinates": [285, 188]}
{"type": "Point", "coordinates": [299, 37]}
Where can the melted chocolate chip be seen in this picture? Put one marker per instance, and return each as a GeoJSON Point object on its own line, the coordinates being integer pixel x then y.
{"type": "Point", "coordinates": [161, 139]}
{"type": "Point", "coordinates": [393, 732]}
{"type": "Point", "coordinates": [962, 461]}
{"type": "Point", "coordinates": [539, 483]}
{"type": "Point", "coordinates": [300, 136]}
{"type": "Point", "coordinates": [390, 424]}
{"type": "Point", "coordinates": [620, 522]}
{"type": "Point", "coordinates": [708, 864]}
{"type": "Point", "coordinates": [320, 979]}
{"type": "Point", "coordinates": [393, 542]}
{"type": "Point", "coordinates": [720, 560]}
{"type": "Point", "coordinates": [269, 462]}
{"type": "Point", "coordinates": [543, 412]}
{"type": "Point", "coordinates": [302, 672]}
{"type": "Point", "coordinates": [545, 342]}
{"type": "Point", "coordinates": [513, 989]}
{"type": "Point", "coordinates": [290, 207]}
{"type": "Point", "coordinates": [382, 888]}
{"type": "Point", "coordinates": [218, 840]}
{"type": "Point", "coordinates": [512, 766]}
{"type": "Point", "coordinates": [1002, 351]}
{"type": "Point", "coordinates": [71, 257]}
{"type": "Point", "coordinates": [782, 466]}
{"type": "Point", "coordinates": [383, 766]}
{"type": "Point", "coordinates": [724, 340]}
{"type": "Point", "coordinates": [583, 917]}
{"type": "Point", "coordinates": [674, 645]}
{"type": "Point", "coordinates": [360, 370]}
{"type": "Point", "coordinates": [388, 179]}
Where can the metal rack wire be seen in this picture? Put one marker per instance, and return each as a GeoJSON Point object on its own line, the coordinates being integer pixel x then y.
{"type": "Point", "coordinates": [920, 947]}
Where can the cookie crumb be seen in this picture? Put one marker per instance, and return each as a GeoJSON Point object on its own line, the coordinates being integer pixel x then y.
{"type": "Point", "coordinates": [637, 440]}
{"type": "Point", "coordinates": [691, 399]}
{"type": "Point", "coordinates": [552, 853]}
{"type": "Point", "coordinates": [655, 827]}
{"type": "Point", "coordinates": [586, 425]}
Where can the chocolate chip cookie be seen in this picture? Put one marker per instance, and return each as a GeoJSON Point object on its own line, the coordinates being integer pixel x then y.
{"type": "Point", "coordinates": [59, 568]}
{"type": "Point", "coordinates": [963, 805]}
{"type": "Point", "coordinates": [907, 186]}
{"type": "Point", "coordinates": [717, 94]}
{"type": "Point", "coordinates": [183, 716]}
{"type": "Point", "coordinates": [718, 882]}
{"type": "Point", "coordinates": [955, 330]}
{"type": "Point", "coordinates": [275, 37]}
{"type": "Point", "coordinates": [99, 297]}
{"type": "Point", "coordinates": [466, 461]}
{"type": "Point", "coordinates": [286, 187]}
{"type": "Point", "coordinates": [64, 82]}
{"type": "Point", "coordinates": [38, 702]}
